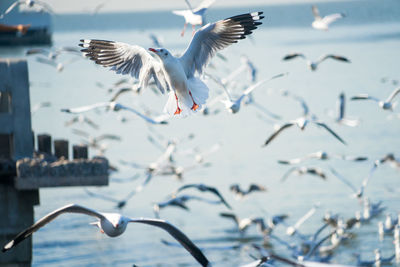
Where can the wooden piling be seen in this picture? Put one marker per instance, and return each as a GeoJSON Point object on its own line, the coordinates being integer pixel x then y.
{"type": "Point", "coordinates": [61, 148]}
{"type": "Point", "coordinates": [44, 143]}
{"type": "Point", "coordinates": [80, 151]}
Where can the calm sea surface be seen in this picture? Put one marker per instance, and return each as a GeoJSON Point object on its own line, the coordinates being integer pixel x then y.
{"type": "Point", "coordinates": [369, 36]}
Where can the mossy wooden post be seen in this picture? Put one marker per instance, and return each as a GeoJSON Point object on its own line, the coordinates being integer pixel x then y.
{"type": "Point", "coordinates": [16, 207]}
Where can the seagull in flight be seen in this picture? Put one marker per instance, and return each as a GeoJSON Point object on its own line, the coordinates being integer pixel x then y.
{"type": "Point", "coordinates": [385, 105]}
{"type": "Point", "coordinates": [302, 122]}
{"type": "Point", "coordinates": [341, 118]}
{"type": "Point", "coordinates": [313, 65]}
{"type": "Point", "coordinates": [30, 4]}
{"type": "Point", "coordinates": [111, 224]}
{"type": "Point", "coordinates": [204, 188]}
{"type": "Point", "coordinates": [322, 155]}
{"type": "Point", "coordinates": [162, 119]}
{"type": "Point", "coordinates": [194, 16]}
{"type": "Point", "coordinates": [240, 193]}
{"type": "Point", "coordinates": [234, 105]}
{"type": "Point", "coordinates": [174, 74]}
{"type": "Point", "coordinates": [322, 23]}
{"type": "Point", "coordinates": [304, 170]}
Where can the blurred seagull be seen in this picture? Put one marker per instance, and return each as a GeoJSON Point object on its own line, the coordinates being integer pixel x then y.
{"type": "Point", "coordinates": [321, 155]}
{"type": "Point", "coordinates": [28, 3]}
{"type": "Point", "coordinates": [82, 119]}
{"type": "Point", "coordinates": [304, 170]}
{"type": "Point", "coordinates": [59, 66]}
{"type": "Point", "coordinates": [120, 203]}
{"type": "Point", "coordinates": [40, 105]}
{"type": "Point", "coordinates": [234, 105]}
{"type": "Point", "coordinates": [320, 23]}
{"type": "Point", "coordinates": [169, 72]}
{"type": "Point", "coordinates": [54, 53]}
{"type": "Point", "coordinates": [245, 223]}
{"type": "Point", "coordinates": [239, 193]}
{"type": "Point", "coordinates": [112, 224]}
{"type": "Point", "coordinates": [341, 119]}
{"type": "Point", "coordinates": [194, 16]}
{"type": "Point", "coordinates": [95, 142]}
{"type": "Point", "coordinates": [302, 122]}
{"type": "Point", "coordinates": [385, 105]}
{"type": "Point", "coordinates": [162, 119]}
{"type": "Point", "coordinates": [180, 202]}
{"type": "Point", "coordinates": [291, 230]}
{"type": "Point", "coordinates": [204, 188]}
{"type": "Point", "coordinates": [313, 65]}
{"type": "Point", "coordinates": [157, 42]}
{"type": "Point", "coordinates": [358, 193]}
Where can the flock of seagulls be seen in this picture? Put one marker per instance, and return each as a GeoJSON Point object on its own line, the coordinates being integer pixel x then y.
{"type": "Point", "coordinates": [187, 81]}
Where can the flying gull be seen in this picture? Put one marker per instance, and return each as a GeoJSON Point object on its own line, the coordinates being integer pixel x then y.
{"type": "Point", "coordinates": [322, 155]}
{"type": "Point", "coordinates": [162, 119]}
{"type": "Point", "coordinates": [313, 65]}
{"type": "Point", "coordinates": [240, 193]}
{"type": "Point", "coordinates": [112, 224]}
{"type": "Point", "coordinates": [322, 23]}
{"type": "Point", "coordinates": [194, 16]}
{"type": "Point", "coordinates": [204, 188]}
{"type": "Point", "coordinates": [385, 105]}
{"type": "Point", "coordinates": [28, 3]}
{"type": "Point", "coordinates": [174, 74]}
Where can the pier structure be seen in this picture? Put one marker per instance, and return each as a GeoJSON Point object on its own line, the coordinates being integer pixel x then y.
{"type": "Point", "coordinates": [20, 176]}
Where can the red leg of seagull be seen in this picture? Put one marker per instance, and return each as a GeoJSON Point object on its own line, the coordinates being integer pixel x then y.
{"type": "Point", "coordinates": [193, 30]}
{"type": "Point", "coordinates": [195, 106]}
{"type": "Point", "coordinates": [184, 29]}
{"type": "Point", "coordinates": [178, 109]}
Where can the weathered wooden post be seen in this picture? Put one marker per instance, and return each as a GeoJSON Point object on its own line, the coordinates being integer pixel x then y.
{"type": "Point", "coordinates": [61, 148]}
{"type": "Point", "coordinates": [80, 151]}
{"type": "Point", "coordinates": [16, 207]}
{"type": "Point", "coordinates": [44, 143]}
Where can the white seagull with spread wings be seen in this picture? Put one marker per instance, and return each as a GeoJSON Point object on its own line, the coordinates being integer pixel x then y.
{"type": "Point", "coordinates": [111, 224]}
{"type": "Point", "coordinates": [322, 23]}
{"type": "Point", "coordinates": [194, 16]}
{"type": "Point", "coordinates": [174, 74]}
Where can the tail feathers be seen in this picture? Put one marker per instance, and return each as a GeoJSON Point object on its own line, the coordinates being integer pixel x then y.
{"type": "Point", "coordinates": [199, 91]}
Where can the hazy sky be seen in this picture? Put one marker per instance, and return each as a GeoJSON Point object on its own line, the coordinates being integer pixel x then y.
{"type": "Point", "coordinates": [79, 6]}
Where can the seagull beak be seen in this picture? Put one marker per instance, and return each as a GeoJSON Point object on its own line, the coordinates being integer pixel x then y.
{"type": "Point", "coordinates": [153, 50]}
{"type": "Point", "coordinates": [116, 225]}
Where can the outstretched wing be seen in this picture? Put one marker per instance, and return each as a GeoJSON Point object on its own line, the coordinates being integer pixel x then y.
{"type": "Point", "coordinates": [333, 17]}
{"type": "Point", "coordinates": [393, 95]}
{"type": "Point", "coordinates": [72, 208]}
{"type": "Point", "coordinates": [336, 57]}
{"type": "Point", "coordinates": [331, 131]}
{"type": "Point", "coordinates": [341, 106]}
{"type": "Point", "coordinates": [364, 97]}
{"type": "Point", "coordinates": [283, 127]}
{"type": "Point", "coordinates": [315, 12]}
{"type": "Point", "coordinates": [126, 59]}
{"type": "Point", "coordinates": [293, 55]}
{"type": "Point", "coordinates": [216, 36]}
{"type": "Point", "coordinates": [254, 86]}
{"type": "Point", "coordinates": [179, 236]}
{"type": "Point", "coordinates": [10, 8]}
